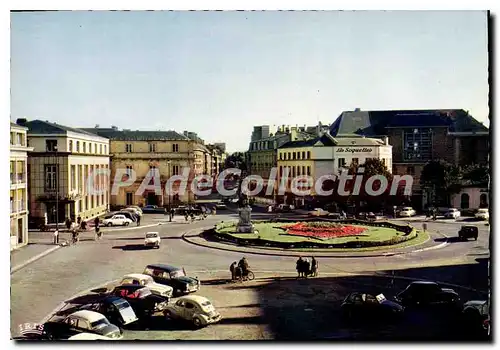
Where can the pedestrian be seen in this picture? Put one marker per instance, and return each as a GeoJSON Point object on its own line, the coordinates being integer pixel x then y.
{"type": "Point", "coordinates": [232, 268]}
{"type": "Point", "coordinates": [79, 220]}
{"type": "Point", "coordinates": [68, 223]}
{"type": "Point", "coordinates": [307, 267]}
{"type": "Point", "coordinates": [299, 266]}
{"type": "Point", "coordinates": [314, 267]}
{"type": "Point", "coordinates": [56, 236]}
{"type": "Point", "coordinates": [138, 220]}
{"type": "Point", "coordinates": [98, 232]}
{"type": "Point", "coordinates": [96, 221]}
{"type": "Point", "coordinates": [83, 225]}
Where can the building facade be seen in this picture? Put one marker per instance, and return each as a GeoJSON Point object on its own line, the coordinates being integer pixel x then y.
{"type": "Point", "coordinates": [60, 166]}
{"type": "Point", "coordinates": [144, 152]}
{"type": "Point", "coordinates": [420, 136]}
{"type": "Point", "coordinates": [18, 186]}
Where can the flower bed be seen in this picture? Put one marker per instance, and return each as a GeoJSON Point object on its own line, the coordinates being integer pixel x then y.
{"type": "Point", "coordinates": [323, 230]}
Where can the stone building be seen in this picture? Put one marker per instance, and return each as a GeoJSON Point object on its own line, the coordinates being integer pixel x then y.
{"type": "Point", "coordinates": [18, 186]}
{"type": "Point", "coordinates": [419, 136]}
{"type": "Point", "coordinates": [144, 151]}
{"type": "Point", "coordinates": [59, 168]}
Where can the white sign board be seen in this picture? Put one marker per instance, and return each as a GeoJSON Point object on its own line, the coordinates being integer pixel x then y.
{"type": "Point", "coordinates": [380, 298]}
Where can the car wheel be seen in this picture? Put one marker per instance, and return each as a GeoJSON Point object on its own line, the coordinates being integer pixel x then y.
{"type": "Point", "coordinates": [168, 314]}
{"type": "Point", "coordinates": [197, 322]}
{"type": "Point", "coordinates": [126, 223]}
{"type": "Point", "coordinates": [108, 224]}
{"type": "Point", "coordinates": [475, 238]}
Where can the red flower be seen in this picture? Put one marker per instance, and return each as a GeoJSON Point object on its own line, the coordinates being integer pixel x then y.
{"type": "Point", "coordinates": [324, 230]}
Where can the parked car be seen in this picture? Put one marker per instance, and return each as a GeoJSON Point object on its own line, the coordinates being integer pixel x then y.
{"type": "Point", "coordinates": [283, 208]}
{"type": "Point", "coordinates": [117, 220]}
{"type": "Point", "coordinates": [174, 277]}
{"type": "Point", "coordinates": [141, 299]}
{"type": "Point", "coordinates": [476, 314]}
{"type": "Point", "coordinates": [319, 212]}
{"type": "Point", "coordinates": [152, 239]}
{"type": "Point", "coordinates": [195, 309]}
{"type": "Point", "coordinates": [148, 281]}
{"type": "Point", "coordinates": [426, 293]}
{"type": "Point", "coordinates": [153, 209]}
{"type": "Point", "coordinates": [407, 212]}
{"type": "Point", "coordinates": [361, 306]}
{"type": "Point", "coordinates": [452, 213]}
{"type": "Point", "coordinates": [468, 231]}
{"type": "Point", "coordinates": [220, 206]}
{"type": "Point", "coordinates": [118, 311]}
{"type": "Point", "coordinates": [128, 214]}
{"type": "Point", "coordinates": [482, 214]}
{"type": "Point", "coordinates": [133, 210]}
{"type": "Point", "coordinates": [84, 321]}
{"type": "Point", "coordinates": [88, 336]}
{"type": "Point", "coordinates": [136, 208]}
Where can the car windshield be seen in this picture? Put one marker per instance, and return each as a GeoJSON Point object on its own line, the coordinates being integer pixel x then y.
{"type": "Point", "coordinates": [122, 305]}
{"type": "Point", "coordinates": [103, 322]}
{"type": "Point", "coordinates": [482, 211]}
{"type": "Point", "coordinates": [206, 303]}
{"type": "Point", "coordinates": [178, 273]}
{"type": "Point", "coordinates": [151, 235]}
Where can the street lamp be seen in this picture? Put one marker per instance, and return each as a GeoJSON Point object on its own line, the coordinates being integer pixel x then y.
{"type": "Point", "coordinates": [57, 189]}
{"type": "Point", "coordinates": [167, 184]}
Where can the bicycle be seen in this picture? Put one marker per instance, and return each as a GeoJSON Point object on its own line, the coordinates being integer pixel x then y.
{"type": "Point", "coordinates": [250, 276]}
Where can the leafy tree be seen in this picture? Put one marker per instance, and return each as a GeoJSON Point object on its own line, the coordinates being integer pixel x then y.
{"type": "Point", "coordinates": [442, 179]}
{"type": "Point", "coordinates": [475, 175]}
{"type": "Point", "coordinates": [236, 160]}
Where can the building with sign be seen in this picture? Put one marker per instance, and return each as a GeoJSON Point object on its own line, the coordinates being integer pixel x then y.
{"type": "Point", "coordinates": [419, 136]}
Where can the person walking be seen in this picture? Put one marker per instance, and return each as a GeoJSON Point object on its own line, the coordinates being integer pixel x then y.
{"type": "Point", "coordinates": [307, 268]}
{"type": "Point", "coordinates": [314, 267]}
{"type": "Point", "coordinates": [299, 266]}
{"type": "Point", "coordinates": [68, 223]}
{"type": "Point", "coordinates": [56, 237]}
{"type": "Point", "coordinates": [233, 268]}
{"type": "Point", "coordinates": [138, 220]}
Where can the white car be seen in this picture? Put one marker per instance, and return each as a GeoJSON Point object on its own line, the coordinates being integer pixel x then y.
{"type": "Point", "coordinates": [148, 281]}
{"type": "Point", "coordinates": [152, 239]}
{"type": "Point", "coordinates": [482, 214]}
{"type": "Point", "coordinates": [89, 336]}
{"type": "Point", "coordinates": [452, 213]}
{"type": "Point", "coordinates": [117, 220]}
{"type": "Point", "coordinates": [319, 212]}
{"type": "Point", "coordinates": [407, 212]}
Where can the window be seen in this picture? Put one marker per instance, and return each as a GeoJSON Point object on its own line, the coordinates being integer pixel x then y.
{"type": "Point", "coordinates": [410, 170]}
{"type": "Point", "coordinates": [383, 161]}
{"type": "Point", "coordinates": [71, 145]}
{"type": "Point", "coordinates": [308, 170]}
{"type": "Point", "coordinates": [293, 171]}
{"type": "Point", "coordinates": [289, 155]}
{"type": "Point", "coordinates": [294, 156]}
{"type": "Point", "coordinates": [175, 147]}
{"type": "Point", "coordinates": [73, 177]}
{"type": "Point", "coordinates": [105, 149]}
{"type": "Point", "coordinates": [483, 200]}
{"type": "Point", "coordinates": [298, 171]}
{"type": "Point", "coordinates": [51, 145]}
{"type": "Point", "coordinates": [341, 162]}
{"type": "Point", "coordinates": [130, 198]}
{"type": "Point", "coordinates": [355, 161]}
{"type": "Point", "coordinates": [90, 148]}
{"type": "Point", "coordinates": [303, 170]}
{"type": "Point", "coordinates": [175, 170]}
{"type": "Point", "coordinates": [20, 139]}
{"type": "Point", "coordinates": [189, 305]}
{"type": "Point", "coordinates": [464, 201]}
{"type": "Point", "coordinates": [84, 147]}
{"type": "Point", "coordinates": [281, 156]}
{"type": "Point", "coordinates": [308, 154]}
{"type": "Point", "coordinates": [129, 170]}
{"type": "Point", "coordinates": [50, 177]}
{"type": "Point", "coordinates": [281, 171]}
{"type": "Point", "coordinates": [152, 147]}
{"type": "Point", "coordinates": [417, 144]}
{"type": "Point", "coordinates": [100, 149]}
{"type": "Point", "coordinates": [78, 146]}
{"type": "Point", "coordinates": [128, 147]}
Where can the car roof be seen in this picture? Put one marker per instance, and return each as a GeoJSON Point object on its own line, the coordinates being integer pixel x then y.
{"type": "Point", "coordinates": [194, 298]}
{"type": "Point", "coordinates": [92, 298]}
{"type": "Point", "coordinates": [152, 232]}
{"type": "Point", "coordinates": [469, 226]}
{"type": "Point", "coordinates": [131, 286]}
{"type": "Point", "coordinates": [90, 316]}
{"type": "Point", "coordinates": [136, 275]}
{"type": "Point", "coordinates": [168, 268]}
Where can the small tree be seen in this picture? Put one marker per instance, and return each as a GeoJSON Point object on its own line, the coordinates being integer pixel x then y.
{"type": "Point", "coordinates": [442, 179]}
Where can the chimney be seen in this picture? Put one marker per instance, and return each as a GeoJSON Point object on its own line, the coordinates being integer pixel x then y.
{"type": "Point", "coordinates": [386, 141]}
{"type": "Point", "coordinates": [21, 121]}
{"type": "Point", "coordinates": [114, 127]}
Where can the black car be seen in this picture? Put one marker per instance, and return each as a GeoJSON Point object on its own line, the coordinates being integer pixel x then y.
{"type": "Point", "coordinates": [366, 307]}
{"type": "Point", "coordinates": [117, 310]}
{"type": "Point", "coordinates": [174, 277]}
{"type": "Point", "coordinates": [426, 293]}
{"type": "Point", "coordinates": [141, 299]}
{"type": "Point", "coordinates": [153, 209]}
{"type": "Point", "coordinates": [468, 231]}
{"type": "Point", "coordinates": [476, 314]}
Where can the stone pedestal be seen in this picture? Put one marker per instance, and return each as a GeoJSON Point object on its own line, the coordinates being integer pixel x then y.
{"type": "Point", "coordinates": [245, 224]}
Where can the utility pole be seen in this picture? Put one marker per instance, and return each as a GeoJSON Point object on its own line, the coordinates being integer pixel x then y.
{"type": "Point", "coordinates": [169, 204]}
{"type": "Point", "coordinates": [57, 190]}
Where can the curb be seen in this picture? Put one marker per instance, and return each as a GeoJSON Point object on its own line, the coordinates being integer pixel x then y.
{"type": "Point", "coordinates": [296, 254]}
{"type": "Point", "coordinates": [33, 259]}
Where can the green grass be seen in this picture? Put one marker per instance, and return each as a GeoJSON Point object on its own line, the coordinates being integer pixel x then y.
{"type": "Point", "coordinates": [271, 232]}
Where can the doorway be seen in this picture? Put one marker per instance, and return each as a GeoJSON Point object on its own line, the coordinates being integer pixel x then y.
{"type": "Point", "coordinates": [20, 231]}
{"type": "Point", "coordinates": [152, 199]}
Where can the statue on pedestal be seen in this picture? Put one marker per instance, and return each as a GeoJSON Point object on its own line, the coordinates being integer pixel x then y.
{"type": "Point", "coordinates": [245, 224]}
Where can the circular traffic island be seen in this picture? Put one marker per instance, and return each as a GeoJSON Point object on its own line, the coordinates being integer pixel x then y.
{"type": "Point", "coordinates": [347, 235]}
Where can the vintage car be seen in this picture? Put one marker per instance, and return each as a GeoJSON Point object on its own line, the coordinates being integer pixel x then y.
{"type": "Point", "coordinates": [84, 321]}
{"type": "Point", "coordinates": [153, 209]}
{"type": "Point", "coordinates": [195, 309]}
{"type": "Point", "coordinates": [452, 213]}
{"type": "Point", "coordinates": [468, 231]}
{"type": "Point", "coordinates": [407, 212]}
{"type": "Point", "coordinates": [359, 307]}
{"type": "Point", "coordinates": [117, 310]}
{"type": "Point", "coordinates": [174, 277]}
{"type": "Point", "coordinates": [152, 239]}
{"type": "Point", "coordinates": [426, 293]}
{"type": "Point", "coordinates": [482, 214]}
{"type": "Point", "coordinates": [476, 314]}
{"type": "Point", "coordinates": [89, 336]}
{"type": "Point", "coordinates": [141, 299]}
{"type": "Point", "coordinates": [133, 210]}
{"type": "Point", "coordinates": [148, 281]}
{"type": "Point", "coordinates": [117, 220]}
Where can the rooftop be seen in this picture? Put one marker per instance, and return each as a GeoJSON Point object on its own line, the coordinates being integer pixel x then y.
{"type": "Point", "coordinates": [45, 127]}
{"type": "Point", "coordinates": [137, 135]}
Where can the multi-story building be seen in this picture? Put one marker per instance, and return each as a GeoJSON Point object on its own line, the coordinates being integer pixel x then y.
{"type": "Point", "coordinates": [263, 149]}
{"type": "Point", "coordinates": [18, 186]}
{"type": "Point", "coordinates": [59, 168]}
{"type": "Point", "coordinates": [419, 136]}
{"type": "Point", "coordinates": [145, 151]}
{"type": "Point", "coordinates": [326, 155]}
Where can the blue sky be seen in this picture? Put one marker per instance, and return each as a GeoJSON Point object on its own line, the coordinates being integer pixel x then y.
{"type": "Point", "coordinates": [220, 73]}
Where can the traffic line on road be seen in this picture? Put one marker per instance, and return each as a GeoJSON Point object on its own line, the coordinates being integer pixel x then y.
{"type": "Point", "coordinates": [33, 259]}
